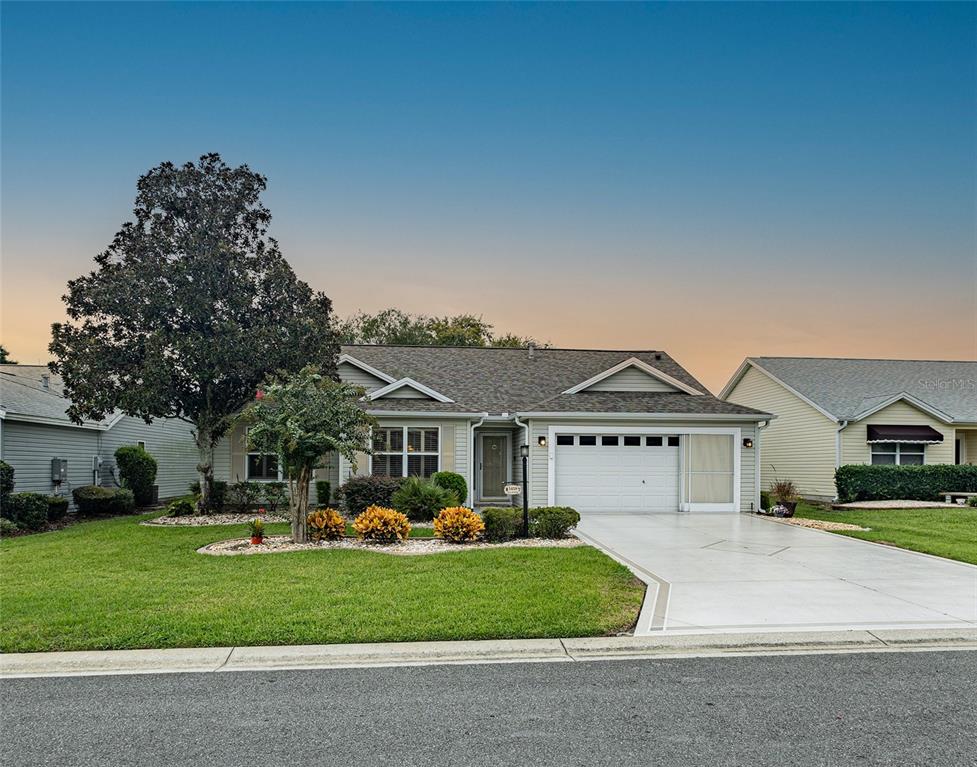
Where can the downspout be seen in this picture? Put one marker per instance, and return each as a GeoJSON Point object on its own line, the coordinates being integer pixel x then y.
{"type": "Point", "coordinates": [843, 425]}
{"type": "Point", "coordinates": [471, 458]}
{"type": "Point", "coordinates": [525, 427]}
{"type": "Point", "coordinates": [757, 462]}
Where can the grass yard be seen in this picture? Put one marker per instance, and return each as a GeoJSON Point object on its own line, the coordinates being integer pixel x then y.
{"type": "Point", "coordinates": [950, 533]}
{"type": "Point", "coordinates": [115, 584]}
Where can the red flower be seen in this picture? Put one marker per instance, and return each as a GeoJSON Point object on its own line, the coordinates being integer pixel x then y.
{"type": "Point", "coordinates": [261, 510]}
{"type": "Point", "coordinates": [259, 394]}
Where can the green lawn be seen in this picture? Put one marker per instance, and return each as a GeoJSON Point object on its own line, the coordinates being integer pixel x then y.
{"type": "Point", "coordinates": [116, 584]}
{"type": "Point", "coordinates": [950, 533]}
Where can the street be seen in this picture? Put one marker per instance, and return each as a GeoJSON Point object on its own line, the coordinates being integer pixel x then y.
{"type": "Point", "coordinates": [832, 709]}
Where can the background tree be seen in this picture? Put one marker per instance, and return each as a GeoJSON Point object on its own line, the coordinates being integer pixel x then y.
{"type": "Point", "coordinates": [5, 357]}
{"type": "Point", "coordinates": [393, 326]}
{"type": "Point", "coordinates": [189, 308]}
{"type": "Point", "coordinates": [300, 417]}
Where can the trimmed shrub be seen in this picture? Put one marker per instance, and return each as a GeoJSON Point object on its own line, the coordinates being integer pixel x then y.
{"type": "Point", "coordinates": [359, 493]}
{"type": "Point", "coordinates": [382, 525]}
{"type": "Point", "coordinates": [764, 499]}
{"type": "Point", "coordinates": [457, 524]}
{"type": "Point", "coordinates": [6, 479]}
{"type": "Point", "coordinates": [552, 521]}
{"type": "Point", "coordinates": [137, 470]}
{"type": "Point", "coordinates": [218, 495]}
{"type": "Point", "coordinates": [182, 507]}
{"type": "Point", "coordinates": [7, 527]}
{"type": "Point", "coordinates": [452, 482]}
{"type": "Point", "coordinates": [421, 500]}
{"type": "Point", "coordinates": [326, 525]}
{"type": "Point", "coordinates": [57, 508]}
{"type": "Point", "coordinates": [972, 501]}
{"type": "Point", "coordinates": [502, 523]}
{"type": "Point", "coordinates": [323, 492]}
{"type": "Point", "coordinates": [27, 510]}
{"type": "Point", "coordinates": [861, 482]}
{"type": "Point", "coordinates": [243, 496]}
{"type": "Point", "coordinates": [93, 500]}
{"type": "Point", "coordinates": [275, 495]}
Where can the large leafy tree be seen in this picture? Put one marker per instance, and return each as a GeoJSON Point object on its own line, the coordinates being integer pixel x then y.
{"type": "Point", "coordinates": [393, 326]}
{"type": "Point", "coordinates": [300, 417]}
{"type": "Point", "coordinates": [5, 357]}
{"type": "Point", "coordinates": [189, 308]}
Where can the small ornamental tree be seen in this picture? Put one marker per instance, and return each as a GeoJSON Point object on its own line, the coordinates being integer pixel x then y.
{"type": "Point", "coordinates": [300, 417]}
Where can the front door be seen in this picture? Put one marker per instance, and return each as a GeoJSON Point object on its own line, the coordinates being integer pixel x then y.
{"type": "Point", "coordinates": [495, 465]}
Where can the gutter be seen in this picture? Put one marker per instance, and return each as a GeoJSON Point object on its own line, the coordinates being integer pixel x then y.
{"type": "Point", "coordinates": [757, 461]}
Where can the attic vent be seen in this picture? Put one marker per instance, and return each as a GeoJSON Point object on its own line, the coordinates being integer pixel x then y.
{"type": "Point", "coordinates": [532, 351]}
{"type": "Point", "coordinates": [658, 357]}
{"type": "Point", "coordinates": [45, 381]}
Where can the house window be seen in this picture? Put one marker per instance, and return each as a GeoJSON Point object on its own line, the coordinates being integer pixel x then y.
{"type": "Point", "coordinates": [406, 452]}
{"type": "Point", "coordinates": [898, 454]}
{"type": "Point", "coordinates": [141, 444]}
{"type": "Point", "coordinates": [564, 439]}
{"type": "Point", "coordinates": [262, 467]}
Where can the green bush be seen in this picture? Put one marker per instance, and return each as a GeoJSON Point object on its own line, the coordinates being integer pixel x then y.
{"type": "Point", "coordinates": [764, 499]}
{"type": "Point", "coordinates": [243, 496]}
{"type": "Point", "coordinates": [182, 507]}
{"type": "Point", "coordinates": [218, 495]}
{"type": "Point", "coordinates": [552, 521]}
{"type": "Point", "coordinates": [6, 479]}
{"type": "Point", "coordinates": [452, 482]}
{"type": "Point", "coordinates": [421, 500]}
{"type": "Point", "coordinates": [972, 501]}
{"type": "Point", "coordinates": [859, 482]}
{"type": "Point", "coordinates": [93, 500]}
{"type": "Point", "coordinates": [137, 470]}
{"type": "Point", "coordinates": [323, 492]}
{"type": "Point", "coordinates": [359, 493]}
{"type": "Point", "coordinates": [26, 510]}
{"type": "Point", "coordinates": [7, 527]}
{"type": "Point", "coordinates": [275, 495]}
{"type": "Point", "coordinates": [502, 523]}
{"type": "Point", "coordinates": [57, 507]}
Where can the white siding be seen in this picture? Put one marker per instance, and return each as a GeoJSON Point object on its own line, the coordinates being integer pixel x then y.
{"type": "Point", "coordinates": [799, 444]}
{"type": "Point", "coordinates": [855, 449]}
{"type": "Point", "coordinates": [631, 379]}
{"type": "Point", "coordinates": [168, 440]}
{"type": "Point", "coordinates": [404, 392]}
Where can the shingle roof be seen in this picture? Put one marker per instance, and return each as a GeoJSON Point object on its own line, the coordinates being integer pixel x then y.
{"type": "Point", "coordinates": [499, 380]}
{"type": "Point", "coordinates": [848, 388]}
{"type": "Point", "coordinates": [22, 393]}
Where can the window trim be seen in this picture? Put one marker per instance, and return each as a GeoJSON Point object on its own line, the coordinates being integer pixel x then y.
{"type": "Point", "coordinates": [404, 452]}
{"type": "Point", "coordinates": [897, 453]}
{"type": "Point", "coordinates": [247, 467]}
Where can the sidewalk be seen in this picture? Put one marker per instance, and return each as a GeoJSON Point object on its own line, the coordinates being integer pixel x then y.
{"type": "Point", "coordinates": [222, 659]}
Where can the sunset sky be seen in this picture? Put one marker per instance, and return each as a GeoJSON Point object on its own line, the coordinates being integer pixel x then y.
{"type": "Point", "coordinates": [713, 180]}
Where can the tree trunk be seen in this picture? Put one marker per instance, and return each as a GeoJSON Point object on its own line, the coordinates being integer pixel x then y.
{"type": "Point", "coordinates": [299, 503]}
{"type": "Point", "coordinates": [205, 469]}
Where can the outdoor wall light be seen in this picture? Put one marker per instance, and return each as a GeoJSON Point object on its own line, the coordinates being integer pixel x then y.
{"type": "Point", "coordinates": [747, 442]}
{"type": "Point", "coordinates": [524, 451]}
{"type": "Point", "coordinates": [541, 441]}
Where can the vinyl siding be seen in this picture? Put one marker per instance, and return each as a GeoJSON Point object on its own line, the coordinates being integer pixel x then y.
{"type": "Point", "coordinates": [854, 448]}
{"type": "Point", "coordinates": [970, 444]}
{"type": "Point", "coordinates": [354, 375]}
{"type": "Point", "coordinates": [168, 440]}
{"type": "Point", "coordinates": [404, 392]}
{"type": "Point", "coordinates": [631, 379]}
{"type": "Point", "coordinates": [799, 444]}
{"type": "Point", "coordinates": [539, 456]}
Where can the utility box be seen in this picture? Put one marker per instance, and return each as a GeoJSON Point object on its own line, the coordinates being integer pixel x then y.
{"type": "Point", "coordinates": [59, 470]}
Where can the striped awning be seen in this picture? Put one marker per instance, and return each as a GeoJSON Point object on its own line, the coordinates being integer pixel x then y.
{"type": "Point", "coordinates": [909, 433]}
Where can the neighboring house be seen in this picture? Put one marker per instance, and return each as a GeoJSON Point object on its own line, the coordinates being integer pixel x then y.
{"type": "Point", "coordinates": [34, 431]}
{"type": "Point", "coordinates": [832, 412]}
{"type": "Point", "coordinates": [606, 430]}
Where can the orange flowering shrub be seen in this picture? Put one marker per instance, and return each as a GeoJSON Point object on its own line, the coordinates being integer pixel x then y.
{"type": "Point", "coordinates": [456, 524]}
{"type": "Point", "coordinates": [326, 525]}
{"type": "Point", "coordinates": [382, 525]}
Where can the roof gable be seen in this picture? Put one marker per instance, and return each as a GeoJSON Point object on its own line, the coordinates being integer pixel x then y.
{"type": "Point", "coordinates": [617, 378]}
{"type": "Point", "coordinates": [407, 388]}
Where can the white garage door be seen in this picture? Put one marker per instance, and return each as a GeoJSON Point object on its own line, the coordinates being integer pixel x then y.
{"type": "Point", "coordinates": [617, 473]}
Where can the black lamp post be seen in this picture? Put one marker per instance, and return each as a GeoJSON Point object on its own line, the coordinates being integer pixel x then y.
{"type": "Point", "coordinates": [524, 452]}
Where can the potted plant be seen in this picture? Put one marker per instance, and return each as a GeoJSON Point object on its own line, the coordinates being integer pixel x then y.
{"type": "Point", "coordinates": [784, 493]}
{"type": "Point", "coordinates": [257, 529]}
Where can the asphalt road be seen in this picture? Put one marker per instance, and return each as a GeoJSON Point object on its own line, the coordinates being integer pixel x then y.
{"type": "Point", "coordinates": [859, 709]}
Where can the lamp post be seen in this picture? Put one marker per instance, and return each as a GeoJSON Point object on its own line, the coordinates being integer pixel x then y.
{"type": "Point", "coordinates": [524, 452]}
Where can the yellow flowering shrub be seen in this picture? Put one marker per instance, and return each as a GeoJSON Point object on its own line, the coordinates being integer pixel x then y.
{"type": "Point", "coordinates": [326, 525]}
{"type": "Point", "coordinates": [382, 525]}
{"type": "Point", "coordinates": [457, 524]}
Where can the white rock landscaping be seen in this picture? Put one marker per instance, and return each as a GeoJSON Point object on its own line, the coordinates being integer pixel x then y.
{"type": "Point", "coordinates": [276, 544]}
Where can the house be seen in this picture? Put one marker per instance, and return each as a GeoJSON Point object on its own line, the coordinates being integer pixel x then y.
{"type": "Point", "coordinates": [832, 412]}
{"type": "Point", "coordinates": [51, 454]}
{"type": "Point", "coordinates": [607, 431]}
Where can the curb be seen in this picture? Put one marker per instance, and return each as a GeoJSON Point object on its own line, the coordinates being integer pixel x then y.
{"type": "Point", "coordinates": [302, 657]}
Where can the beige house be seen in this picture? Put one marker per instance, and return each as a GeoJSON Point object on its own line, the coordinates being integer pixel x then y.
{"type": "Point", "coordinates": [604, 431]}
{"type": "Point", "coordinates": [832, 412]}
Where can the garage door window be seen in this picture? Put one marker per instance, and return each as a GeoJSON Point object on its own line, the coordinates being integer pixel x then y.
{"type": "Point", "coordinates": [587, 439]}
{"type": "Point", "coordinates": [709, 477]}
{"type": "Point", "coordinates": [654, 441]}
{"type": "Point", "coordinates": [564, 439]}
{"type": "Point", "coordinates": [609, 441]}
{"type": "Point", "coordinates": [632, 441]}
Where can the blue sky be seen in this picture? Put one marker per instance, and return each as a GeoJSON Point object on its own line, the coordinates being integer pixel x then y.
{"type": "Point", "coordinates": [715, 180]}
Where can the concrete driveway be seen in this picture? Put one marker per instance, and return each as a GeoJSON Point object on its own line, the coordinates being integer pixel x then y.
{"type": "Point", "coordinates": [740, 572]}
